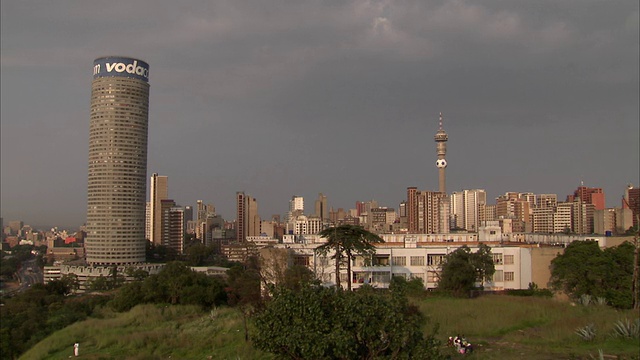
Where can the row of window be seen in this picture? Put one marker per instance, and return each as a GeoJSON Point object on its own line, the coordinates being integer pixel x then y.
{"type": "Point", "coordinates": [432, 276]}
{"type": "Point", "coordinates": [499, 259]}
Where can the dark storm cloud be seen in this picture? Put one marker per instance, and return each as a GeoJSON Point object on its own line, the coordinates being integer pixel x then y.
{"type": "Point", "coordinates": [289, 97]}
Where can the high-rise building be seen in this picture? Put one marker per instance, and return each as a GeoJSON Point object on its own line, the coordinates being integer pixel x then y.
{"type": "Point", "coordinates": [175, 216]}
{"type": "Point", "coordinates": [296, 204]}
{"type": "Point", "coordinates": [164, 222]}
{"type": "Point", "coordinates": [589, 195]}
{"type": "Point", "coordinates": [427, 212]}
{"type": "Point", "coordinates": [159, 191]}
{"type": "Point", "coordinates": [247, 218]}
{"type": "Point", "coordinates": [241, 216]}
{"type": "Point", "coordinates": [441, 139]}
{"type": "Point", "coordinates": [322, 210]}
{"type": "Point", "coordinates": [188, 214]}
{"type": "Point", "coordinates": [632, 201]}
{"type": "Point", "coordinates": [117, 180]}
{"type": "Point", "coordinates": [465, 208]}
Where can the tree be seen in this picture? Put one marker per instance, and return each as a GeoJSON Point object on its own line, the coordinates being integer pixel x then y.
{"type": "Point", "coordinates": [413, 287]}
{"type": "Point", "coordinates": [584, 269]}
{"type": "Point", "coordinates": [347, 241]}
{"type": "Point", "coordinates": [128, 296]}
{"type": "Point", "coordinates": [244, 290]}
{"type": "Point", "coordinates": [298, 276]}
{"type": "Point", "coordinates": [136, 273]}
{"type": "Point", "coordinates": [462, 269]}
{"type": "Point", "coordinates": [197, 254]}
{"type": "Point", "coordinates": [482, 261]}
{"type": "Point", "coordinates": [173, 279]}
{"type": "Point", "coordinates": [321, 323]}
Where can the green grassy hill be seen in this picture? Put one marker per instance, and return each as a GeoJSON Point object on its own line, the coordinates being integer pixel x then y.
{"type": "Point", "coordinates": [152, 332]}
{"type": "Point", "coordinates": [501, 327]}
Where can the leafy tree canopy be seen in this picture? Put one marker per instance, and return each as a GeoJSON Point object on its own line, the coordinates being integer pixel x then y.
{"type": "Point", "coordinates": [585, 269]}
{"type": "Point", "coordinates": [347, 241]}
{"type": "Point", "coordinates": [322, 323]}
{"type": "Point", "coordinates": [463, 268]}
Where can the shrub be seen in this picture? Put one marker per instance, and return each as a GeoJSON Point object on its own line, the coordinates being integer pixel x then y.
{"type": "Point", "coordinates": [627, 329]}
{"type": "Point", "coordinates": [587, 333]}
{"type": "Point", "coordinates": [584, 300]}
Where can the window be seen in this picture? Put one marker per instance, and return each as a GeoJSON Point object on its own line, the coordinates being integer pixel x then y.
{"type": "Point", "coordinates": [508, 259]}
{"type": "Point", "coordinates": [497, 259]}
{"type": "Point", "coordinates": [417, 261]}
{"type": "Point", "coordinates": [359, 261]}
{"type": "Point", "coordinates": [402, 275]}
{"type": "Point", "coordinates": [380, 277]}
{"type": "Point", "coordinates": [497, 276]}
{"type": "Point", "coordinates": [418, 276]}
{"type": "Point", "coordinates": [508, 276]}
{"type": "Point", "coordinates": [301, 260]}
{"type": "Point", "coordinates": [360, 277]}
{"type": "Point", "coordinates": [399, 260]}
{"type": "Point", "coordinates": [435, 259]}
{"type": "Point", "coordinates": [432, 277]}
{"type": "Point", "coordinates": [381, 260]}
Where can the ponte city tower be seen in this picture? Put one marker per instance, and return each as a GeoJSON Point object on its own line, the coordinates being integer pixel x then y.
{"type": "Point", "coordinates": [117, 162]}
{"type": "Point", "coordinates": [441, 141]}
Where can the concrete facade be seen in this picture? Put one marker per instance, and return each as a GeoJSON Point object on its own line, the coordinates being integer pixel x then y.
{"type": "Point", "coordinates": [117, 162]}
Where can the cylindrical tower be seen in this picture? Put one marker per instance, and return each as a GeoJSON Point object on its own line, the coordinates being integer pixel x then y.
{"type": "Point", "coordinates": [117, 162]}
{"type": "Point", "coordinates": [441, 141]}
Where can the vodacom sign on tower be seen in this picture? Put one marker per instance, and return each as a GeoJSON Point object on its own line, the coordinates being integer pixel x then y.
{"type": "Point", "coordinates": [121, 66]}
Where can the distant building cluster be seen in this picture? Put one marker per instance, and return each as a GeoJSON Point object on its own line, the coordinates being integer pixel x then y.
{"type": "Point", "coordinates": [427, 225]}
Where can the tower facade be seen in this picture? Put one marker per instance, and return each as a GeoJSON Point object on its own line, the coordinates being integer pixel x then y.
{"type": "Point", "coordinates": [247, 218]}
{"type": "Point", "coordinates": [159, 190]}
{"type": "Point", "coordinates": [441, 138]}
{"type": "Point", "coordinates": [117, 181]}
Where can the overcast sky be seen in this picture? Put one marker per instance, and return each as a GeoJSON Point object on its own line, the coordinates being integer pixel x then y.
{"type": "Point", "coordinates": [283, 98]}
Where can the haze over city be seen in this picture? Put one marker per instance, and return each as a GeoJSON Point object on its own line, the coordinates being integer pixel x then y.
{"type": "Point", "coordinates": [339, 98]}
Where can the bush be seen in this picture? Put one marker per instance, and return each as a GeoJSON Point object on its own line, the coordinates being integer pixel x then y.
{"type": "Point", "coordinates": [627, 329]}
{"type": "Point", "coordinates": [325, 323]}
{"type": "Point", "coordinates": [587, 333]}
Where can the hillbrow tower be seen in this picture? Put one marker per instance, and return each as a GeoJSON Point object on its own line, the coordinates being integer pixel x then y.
{"type": "Point", "coordinates": [117, 162]}
{"type": "Point", "coordinates": [441, 138]}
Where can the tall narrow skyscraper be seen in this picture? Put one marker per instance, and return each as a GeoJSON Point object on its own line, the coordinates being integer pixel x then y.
{"type": "Point", "coordinates": [159, 190]}
{"type": "Point", "coordinates": [117, 178]}
{"type": "Point", "coordinates": [441, 141]}
{"type": "Point", "coordinates": [247, 218]}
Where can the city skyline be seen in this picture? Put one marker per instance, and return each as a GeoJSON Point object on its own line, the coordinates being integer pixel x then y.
{"type": "Point", "coordinates": [339, 99]}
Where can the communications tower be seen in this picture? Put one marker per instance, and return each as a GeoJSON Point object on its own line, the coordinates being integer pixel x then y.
{"type": "Point", "coordinates": [441, 138]}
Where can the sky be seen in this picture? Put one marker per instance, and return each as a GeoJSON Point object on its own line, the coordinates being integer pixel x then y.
{"type": "Point", "coordinates": [285, 98]}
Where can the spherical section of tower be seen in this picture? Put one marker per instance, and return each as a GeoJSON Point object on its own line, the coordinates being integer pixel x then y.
{"type": "Point", "coordinates": [117, 162]}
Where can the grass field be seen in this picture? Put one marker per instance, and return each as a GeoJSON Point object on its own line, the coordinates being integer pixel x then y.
{"type": "Point", "coordinates": [501, 327]}
{"type": "Point", "coordinates": [510, 327]}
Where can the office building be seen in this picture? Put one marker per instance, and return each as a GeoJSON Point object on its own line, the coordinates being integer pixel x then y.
{"type": "Point", "coordinates": [322, 210]}
{"type": "Point", "coordinates": [159, 191]}
{"type": "Point", "coordinates": [117, 180]}
{"type": "Point", "coordinates": [589, 195]}
{"type": "Point", "coordinates": [247, 218]}
{"type": "Point", "coordinates": [632, 201]}
{"type": "Point", "coordinates": [465, 208]}
{"type": "Point", "coordinates": [427, 212]}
